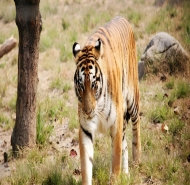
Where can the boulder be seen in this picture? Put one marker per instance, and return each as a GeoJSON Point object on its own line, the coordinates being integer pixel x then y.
{"type": "Point", "coordinates": [164, 54]}
{"type": "Point", "coordinates": [141, 69]}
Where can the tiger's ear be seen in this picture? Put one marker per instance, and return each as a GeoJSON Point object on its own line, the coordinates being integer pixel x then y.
{"type": "Point", "coordinates": [98, 44]}
{"type": "Point", "coordinates": [76, 49]}
{"type": "Point", "coordinates": [98, 49]}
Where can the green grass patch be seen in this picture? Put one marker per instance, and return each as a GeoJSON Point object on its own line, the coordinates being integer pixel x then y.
{"type": "Point", "coordinates": [55, 110]}
{"type": "Point", "coordinates": [7, 11]}
{"type": "Point", "coordinates": [44, 128]}
{"type": "Point", "coordinates": [181, 89]}
{"type": "Point", "coordinates": [185, 23]}
{"type": "Point", "coordinates": [54, 178]}
{"type": "Point", "coordinates": [60, 84]}
{"type": "Point", "coordinates": [57, 179]}
{"type": "Point", "coordinates": [5, 122]}
{"type": "Point", "coordinates": [101, 168]}
{"type": "Point", "coordinates": [48, 8]}
{"type": "Point", "coordinates": [163, 20]}
{"type": "Point", "coordinates": [65, 24]}
{"type": "Point", "coordinates": [12, 103]}
{"type": "Point", "coordinates": [91, 22]}
{"type": "Point", "coordinates": [160, 114]}
{"type": "Point", "coordinates": [65, 53]}
{"type": "Point", "coordinates": [73, 120]}
{"type": "Point", "coordinates": [2, 65]}
{"type": "Point", "coordinates": [170, 84]}
{"type": "Point", "coordinates": [176, 126]}
{"type": "Point", "coordinates": [48, 37]}
{"type": "Point", "coordinates": [134, 16]}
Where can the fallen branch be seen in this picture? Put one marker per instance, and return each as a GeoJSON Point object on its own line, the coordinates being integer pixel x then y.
{"type": "Point", "coordinates": [7, 46]}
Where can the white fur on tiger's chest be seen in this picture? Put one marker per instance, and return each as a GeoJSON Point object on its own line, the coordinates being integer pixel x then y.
{"type": "Point", "coordinates": [104, 118]}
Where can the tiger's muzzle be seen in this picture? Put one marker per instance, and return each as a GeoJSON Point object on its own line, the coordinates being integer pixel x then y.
{"type": "Point", "coordinates": [89, 101]}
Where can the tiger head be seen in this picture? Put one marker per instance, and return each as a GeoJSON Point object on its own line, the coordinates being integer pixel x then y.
{"type": "Point", "coordinates": [88, 78]}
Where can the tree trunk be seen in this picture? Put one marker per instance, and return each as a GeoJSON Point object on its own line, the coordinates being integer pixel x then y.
{"type": "Point", "coordinates": [28, 21]}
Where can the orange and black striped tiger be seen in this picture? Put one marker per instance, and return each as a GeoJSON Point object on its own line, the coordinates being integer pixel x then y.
{"type": "Point", "coordinates": [106, 84]}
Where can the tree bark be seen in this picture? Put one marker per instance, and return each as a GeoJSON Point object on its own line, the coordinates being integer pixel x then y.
{"type": "Point", "coordinates": [28, 21]}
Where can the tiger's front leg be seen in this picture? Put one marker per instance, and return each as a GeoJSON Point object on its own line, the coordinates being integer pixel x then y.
{"type": "Point", "coordinates": [116, 136]}
{"type": "Point", "coordinates": [86, 156]}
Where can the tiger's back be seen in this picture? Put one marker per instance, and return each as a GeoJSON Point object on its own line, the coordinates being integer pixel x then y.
{"type": "Point", "coordinates": [106, 84]}
{"type": "Point", "coordinates": [119, 61]}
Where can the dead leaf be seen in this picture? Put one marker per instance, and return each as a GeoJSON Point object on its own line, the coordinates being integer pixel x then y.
{"type": "Point", "coordinates": [164, 128]}
{"type": "Point", "coordinates": [76, 172]}
{"type": "Point", "coordinates": [163, 77]}
{"type": "Point", "coordinates": [74, 142]}
{"type": "Point", "coordinates": [73, 153]}
{"type": "Point", "coordinates": [176, 111]}
{"type": "Point", "coordinates": [149, 180]}
{"type": "Point", "coordinates": [165, 95]}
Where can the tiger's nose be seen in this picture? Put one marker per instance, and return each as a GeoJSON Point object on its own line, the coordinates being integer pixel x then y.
{"type": "Point", "coordinates": [88, 112]}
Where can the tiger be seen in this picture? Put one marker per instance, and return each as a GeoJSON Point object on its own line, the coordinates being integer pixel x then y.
{"type": "Point", "coordinates": [107, 88]}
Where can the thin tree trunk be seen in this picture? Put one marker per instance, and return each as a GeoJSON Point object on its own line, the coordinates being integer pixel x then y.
{"type": "Point", "coordinates": [28, 21]}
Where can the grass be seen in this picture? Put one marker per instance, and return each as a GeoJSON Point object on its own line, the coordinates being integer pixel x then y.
{"type": "Point", "coordinates": [47, 38]}
{"type": "Point", "coordinates": [164, 155]}
{"type": "Point", "coordinates": [65, 54]}
{"type": "Point", "coordinates": [65, 24]}
{"type": "Point", "coordinates": [7, 14]}
{"type": "Point", "coordinates": [43, 129]}
{"type": "Point", "coordinates": [172, 18]}
{"type": "Point", "coordinates": [59, 84]}
{"type": "Point", "coordinates": [5, 122]}
{"type": "Point", "coordinates": [159, 114]}
{"type": "Point", "coordinates": [134, 17]}
{"type": "Point", "coordinates": [48, 8]}
{"type": "Point", "coordinates": [176, 126]}
{"type": "Point", "coordinates": [170, 84]}
{"type": "Point", "coordinates": [181, 89]}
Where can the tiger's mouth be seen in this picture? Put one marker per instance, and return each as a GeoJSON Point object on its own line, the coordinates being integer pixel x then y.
{"type": "Point", "coordinates": [89, 114]}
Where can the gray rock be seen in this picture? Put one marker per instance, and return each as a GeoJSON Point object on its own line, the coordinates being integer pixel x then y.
{"type": "Point", "coordinates": [164, 54]}
{"type": "Point", "coordinates": [141, 69]}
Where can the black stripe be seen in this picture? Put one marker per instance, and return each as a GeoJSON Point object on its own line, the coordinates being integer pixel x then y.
{"type": "Point", "coordinates": [127, 116]}
{"type": "Point", "coordinates": [123, 136]}
{"type": "Point", "coordinates": [96, 70]}
{"type": "Point", "coordinates": [101, 31]}
{"type": "Point", "coordinates": [134, 120]}
{"type": "Point", "coordinates": [131, 106]}
{"type": "Point", "coordinates": [109, 112]}
{"type": "Point", "coordinates": [87, 133]}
